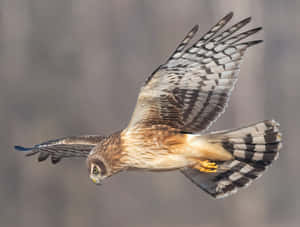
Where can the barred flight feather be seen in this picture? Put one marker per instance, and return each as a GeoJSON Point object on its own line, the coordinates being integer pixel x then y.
{"type": "Point", "coordinates": [198, 79]}
{"type": "Point", "coordinates": [67, 147]}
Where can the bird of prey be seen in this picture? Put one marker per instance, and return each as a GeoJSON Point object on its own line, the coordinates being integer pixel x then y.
{"type": "Point", "coordinates": [176, 104]}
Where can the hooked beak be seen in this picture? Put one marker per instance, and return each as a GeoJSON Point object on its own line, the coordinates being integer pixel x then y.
{"type": "Point", "coordinates": [95, 180]}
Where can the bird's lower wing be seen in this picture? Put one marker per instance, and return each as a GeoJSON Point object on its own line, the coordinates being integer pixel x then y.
{"type": "Point", "coordinates": [67, 147]}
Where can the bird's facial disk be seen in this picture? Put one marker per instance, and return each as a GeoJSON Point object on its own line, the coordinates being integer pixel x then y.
{"type": "Point", "coordinates": [97, 172]}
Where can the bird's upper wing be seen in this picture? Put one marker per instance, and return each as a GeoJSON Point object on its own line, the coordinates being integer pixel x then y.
{"type": "Point", "coordinates": [67, 147]}
{"type": "Point", "coordinates": [191, 90]}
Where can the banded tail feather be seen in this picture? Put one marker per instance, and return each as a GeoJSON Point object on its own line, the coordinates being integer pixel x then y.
{"type": "Point", "coordinates": [254, 148]}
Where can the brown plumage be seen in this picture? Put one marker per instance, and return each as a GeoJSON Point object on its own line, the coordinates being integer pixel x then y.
{"type": "Point", "coordinates": [182, 98]}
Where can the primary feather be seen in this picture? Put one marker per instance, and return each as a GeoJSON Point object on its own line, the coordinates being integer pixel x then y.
{"type": "Point", "coordinates": [191, 90]}
{"type": "Point", "coordinates": [66, 147]}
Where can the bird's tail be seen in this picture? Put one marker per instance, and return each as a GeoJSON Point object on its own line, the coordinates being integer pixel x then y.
{"type": "Point", "coordinates": [253, 147]}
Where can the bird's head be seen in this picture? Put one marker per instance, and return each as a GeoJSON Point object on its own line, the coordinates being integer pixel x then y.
{"type": "Point", "coordinates": [98, 170]}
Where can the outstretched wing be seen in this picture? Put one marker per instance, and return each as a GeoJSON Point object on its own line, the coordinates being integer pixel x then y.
{"type": "Point", "coordinates": [67, 147]}
{"type": "Point", "coordinates": [191, 90]}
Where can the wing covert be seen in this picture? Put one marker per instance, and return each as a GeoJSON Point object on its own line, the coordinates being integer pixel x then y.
{"type": "Point", "coordinates": [67, 147]}
{"type": "Point", "coordinates": [191, 90]}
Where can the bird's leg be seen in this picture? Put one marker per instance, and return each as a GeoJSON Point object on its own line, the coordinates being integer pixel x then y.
{"type": "Point", "coordinates": [206, 166]}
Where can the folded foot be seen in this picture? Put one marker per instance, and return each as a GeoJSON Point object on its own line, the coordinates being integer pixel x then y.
{"type": "Point", "coordinates": [206, 166]}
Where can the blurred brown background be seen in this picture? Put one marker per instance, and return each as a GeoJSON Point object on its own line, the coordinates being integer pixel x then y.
{"type": "Point", "coordinates": [69, 67]}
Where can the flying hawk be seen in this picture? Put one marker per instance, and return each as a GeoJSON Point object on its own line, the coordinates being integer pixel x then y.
{"type": "Point", "coordinates": [176, 104]}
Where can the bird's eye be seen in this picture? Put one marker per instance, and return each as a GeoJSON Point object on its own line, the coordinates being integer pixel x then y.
{"type": "Point", "coordinates": [96, 170]}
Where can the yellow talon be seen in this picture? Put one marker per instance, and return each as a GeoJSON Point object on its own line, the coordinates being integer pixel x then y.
{"type": "Point", "coordinates": [209, 165]}
{"type": "Point", "coordinates": [206, 166]}
{"type": "Point", "coordinates": [279, 136]}
{"type": "Point", "coordinates": [206, 170]}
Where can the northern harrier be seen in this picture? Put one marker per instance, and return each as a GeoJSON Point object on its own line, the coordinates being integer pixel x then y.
{"type": "Point", "coordinates": [177, 103]}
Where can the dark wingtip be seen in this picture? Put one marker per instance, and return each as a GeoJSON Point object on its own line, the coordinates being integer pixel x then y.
{"type": "Point", "coordinates": [20, 148]}
{"type": "Point", "coordinates": [255, 42]}
{"type": "Point", "coordinates": [43, 156]}
{"type": "Point", "coordinates": [246, 20]}
{"type": "Point", "coordinates": [195, 28]}
{"type": "Point", "coordinates": [251, 43]}
{"type": "Point", "coordinates": [229, 15]}
{"type": "Point", "coordinates": [55, 160]}
{"type": "Point", "coordinates": [259, 28]}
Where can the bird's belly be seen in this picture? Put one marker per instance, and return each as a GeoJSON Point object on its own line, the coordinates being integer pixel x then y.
{"type": "Point", "coordinates": [155, 160]}
{"type": "Point", "coordinates": [173, 152]}
{"type": "Point", "coordinates": [168, 162]}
